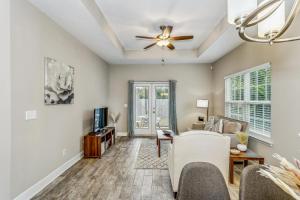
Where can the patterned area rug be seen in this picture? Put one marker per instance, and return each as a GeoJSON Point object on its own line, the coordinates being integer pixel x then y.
{"type": "Point", "coordinates": [148, 158]}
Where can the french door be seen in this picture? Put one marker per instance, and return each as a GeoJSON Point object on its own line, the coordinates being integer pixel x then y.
{"type": "Point", "coordinates": [151, 107]}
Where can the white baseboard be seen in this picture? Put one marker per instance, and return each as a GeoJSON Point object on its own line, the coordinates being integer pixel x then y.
{"type": "Point", "coordinates": [120, 134]}
{"type": "Point", "coordinates": [37, 187]}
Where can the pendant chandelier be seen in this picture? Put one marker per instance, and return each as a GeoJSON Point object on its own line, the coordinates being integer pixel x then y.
{"type": "Point", "coordinates": [269, 16]}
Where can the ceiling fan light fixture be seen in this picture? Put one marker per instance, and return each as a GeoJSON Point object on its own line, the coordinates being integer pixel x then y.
{"type": "Point", "coordinates": [274, 23]}
{"type": "Point", "coordinates": [163, 43]}
{"type": "Point", "coordinates": [164, 39]}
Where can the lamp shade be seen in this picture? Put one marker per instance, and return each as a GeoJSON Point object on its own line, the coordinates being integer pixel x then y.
{"type": "Point", "coordinates": [202, 103]}
{"type": "Point", "coordinates": [239, 8]}
{"type": "Point", "coordinates": [274, 22]}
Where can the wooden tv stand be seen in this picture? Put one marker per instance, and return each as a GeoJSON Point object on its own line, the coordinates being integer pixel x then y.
{"type": "Point", "coordinates": [96, 143]}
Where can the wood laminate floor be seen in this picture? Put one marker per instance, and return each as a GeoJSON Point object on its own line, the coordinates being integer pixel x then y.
{"type": "Point", "coordinates": [113, 177]}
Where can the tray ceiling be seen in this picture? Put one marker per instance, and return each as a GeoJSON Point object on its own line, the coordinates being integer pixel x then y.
{"type": "Point", "coordinates": [108, 27]}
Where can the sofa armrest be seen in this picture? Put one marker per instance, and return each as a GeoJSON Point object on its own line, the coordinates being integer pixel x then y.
{"type": "Point", "coordinates": [233, 139]}
{"type": "Point", "coordinates": [171, 162]}
{"type": "Point", "coordinates": [170, 155]}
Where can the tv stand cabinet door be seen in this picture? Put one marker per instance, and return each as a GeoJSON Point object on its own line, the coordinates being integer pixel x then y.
{"type": "Point", "coordinates": [92, 147]}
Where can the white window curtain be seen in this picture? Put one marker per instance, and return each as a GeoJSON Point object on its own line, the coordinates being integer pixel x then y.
{"type": "Point", "coordinates": [248, 98]}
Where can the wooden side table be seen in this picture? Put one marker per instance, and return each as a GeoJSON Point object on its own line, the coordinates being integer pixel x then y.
{"type": "Point", "coordinates": [198, 126]}
{"type": "Point", "coordinates": [160, 136]}
{"type": "Point", "coordinates": [244, 157]}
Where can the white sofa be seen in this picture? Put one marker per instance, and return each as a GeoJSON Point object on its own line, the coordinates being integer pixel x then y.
{"type": "Point", "coordinates": [198, 146]}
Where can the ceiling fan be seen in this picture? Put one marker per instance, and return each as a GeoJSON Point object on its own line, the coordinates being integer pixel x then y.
{"type": "Point", "coordinates": [164, 39]}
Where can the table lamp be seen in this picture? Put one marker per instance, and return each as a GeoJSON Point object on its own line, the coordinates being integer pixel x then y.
{"type": "Point", "coordinates": [203, 103]}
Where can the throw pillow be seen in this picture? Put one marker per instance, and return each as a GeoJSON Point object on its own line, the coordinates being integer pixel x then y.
{"type": "Point", "coordinates": [232, 127]}
{"type": "Point", "coordinates": [209, 124]}
{"type": "Point", "coordinates": [218, 127]}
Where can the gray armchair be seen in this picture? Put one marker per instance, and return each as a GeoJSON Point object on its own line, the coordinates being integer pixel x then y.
{"type": "Point", "coordinates": [253, 186]}
{"type": "Point", "coordinates": [202, 181]}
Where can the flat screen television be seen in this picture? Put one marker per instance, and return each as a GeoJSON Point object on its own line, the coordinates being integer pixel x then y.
{"type": "Point", "coordinates": [100, 118]}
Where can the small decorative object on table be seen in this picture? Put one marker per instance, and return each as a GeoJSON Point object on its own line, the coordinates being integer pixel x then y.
{"type": "Point", "coordinates": [241, 147]}
{"type": "Point", "coordinates": [114, 118]}
{"type": "Point", "coordinates": [235, 151]}
{"type": "Point", "coordinates": [168, 133]}
{"type": "Point", "coordinates": [201, 119]}
{"type": "Point", "coordinates": [287, 176]}
{"type": "Point", "coordinates": [243, 139]}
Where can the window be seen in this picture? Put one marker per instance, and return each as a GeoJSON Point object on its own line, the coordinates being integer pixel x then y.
{"type": "Point", "coordinates": [248, 98]}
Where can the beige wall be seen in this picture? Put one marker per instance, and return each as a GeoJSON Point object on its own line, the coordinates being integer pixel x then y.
{"type": "Point", "coordinates": [37, 145]}
{"type": "Point", "coordinates": [285, 61]}
{"type": "Point", "coordinates": [193, 81]}
{"type": "Point", "coordinates": [5, 100]}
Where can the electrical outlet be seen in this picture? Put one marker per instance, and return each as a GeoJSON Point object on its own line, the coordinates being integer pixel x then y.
{"type": "Point", "coordinates": [64, 152]}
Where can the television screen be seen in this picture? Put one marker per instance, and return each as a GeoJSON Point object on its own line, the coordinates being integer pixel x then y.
{"type": "Point", "coordinates": [100, 119]}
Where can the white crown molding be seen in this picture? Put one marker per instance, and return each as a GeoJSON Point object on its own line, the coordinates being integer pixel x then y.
{"type": "Point", "coordinates": [40, 185]}
{"type": "Point", "coordinates": [214, 36]}
{"type": "Point", "coordinates": [94, 10]}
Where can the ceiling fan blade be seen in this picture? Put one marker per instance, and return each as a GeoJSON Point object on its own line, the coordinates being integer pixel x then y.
{"type": "Point", "coordinates": [186, 37]}
{"type": "Point", "coordinates": [145, 37]}
{"type": "Point", "coordinates": [171, 46]}
{"type": "Point", "coordinates": [151, 45]}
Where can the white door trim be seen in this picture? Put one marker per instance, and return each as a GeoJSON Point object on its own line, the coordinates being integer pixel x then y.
{"type": "Point", "coordinates": [151, 129]}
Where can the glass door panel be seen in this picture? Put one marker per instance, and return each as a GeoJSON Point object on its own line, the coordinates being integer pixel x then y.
{"type": "Point", "coordinates": [161, 106]}
{"type": "Point", "coordinates": [142, 106]}
{"type": "Point", "coordinates": [151, 107]}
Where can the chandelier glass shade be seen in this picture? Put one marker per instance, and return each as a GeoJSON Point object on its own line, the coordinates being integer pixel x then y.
{"type": "Point", "coordinates": [269, 16]}
{"type": "Point", "coordinates": [273, 23]}
{"type": "Point", "coordinates": [238, 9]}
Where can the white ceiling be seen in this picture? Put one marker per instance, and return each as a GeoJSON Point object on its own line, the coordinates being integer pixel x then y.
{"type": "Point", "coordinates": [108, 27]}
{"type": "Point", "coordinates": [143, 17]}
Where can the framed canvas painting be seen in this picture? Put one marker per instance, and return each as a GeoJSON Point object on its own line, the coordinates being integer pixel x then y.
{"type": "Point", "coordinates": [59, 82]}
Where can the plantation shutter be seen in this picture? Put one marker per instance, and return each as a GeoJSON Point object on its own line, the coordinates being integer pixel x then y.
{"type": "Point", "coordinates": [248, 98]}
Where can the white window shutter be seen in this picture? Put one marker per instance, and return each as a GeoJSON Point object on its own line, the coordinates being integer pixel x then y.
{"type": "Point", "coordinates": [248, 98]}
